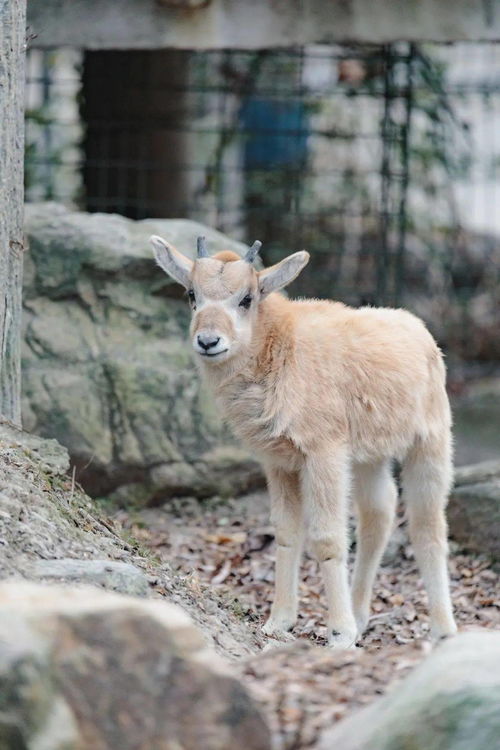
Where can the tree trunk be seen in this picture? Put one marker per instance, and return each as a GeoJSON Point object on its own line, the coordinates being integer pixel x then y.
{"type": "Point", "coordinates": [12, 55]}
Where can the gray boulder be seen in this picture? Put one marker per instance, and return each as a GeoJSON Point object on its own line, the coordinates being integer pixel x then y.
{"type": "Point", "coordinates": [83, 668]}
{"type": "Point", "coordinates": [107, 369]}
{"type": "Point", "coordinates": [450, 702]}
{"type": "Point", "coordinates": [474, 508]}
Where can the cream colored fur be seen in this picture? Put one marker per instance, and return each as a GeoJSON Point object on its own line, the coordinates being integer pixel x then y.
{"type": "Point", "coordinates": [328, 396]}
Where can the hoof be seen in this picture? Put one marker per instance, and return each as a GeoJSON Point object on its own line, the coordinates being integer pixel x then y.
{"type": "Point", "coordinates": [362, 620]}
{"type": "Point", "coordinates": [438, 635]}
{"type": "Point", "coordinates": [278, 630]}
{"type": "Point", "coordinates": [342, 641]}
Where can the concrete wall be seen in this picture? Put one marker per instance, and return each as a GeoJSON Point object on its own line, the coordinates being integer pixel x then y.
{"type": "Point", "coordinates": [153, 24]}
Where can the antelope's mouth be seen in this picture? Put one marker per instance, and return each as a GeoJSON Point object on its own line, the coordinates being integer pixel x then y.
{"type": "Point", "coordinates": [212, 354]}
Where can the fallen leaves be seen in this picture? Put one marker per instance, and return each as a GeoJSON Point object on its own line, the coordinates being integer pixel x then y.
{"type": "Point", "coordinates": [304, 688]}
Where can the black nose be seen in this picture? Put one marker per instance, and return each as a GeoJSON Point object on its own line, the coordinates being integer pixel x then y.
{"type": "Point", "coordinates": [207, 342]}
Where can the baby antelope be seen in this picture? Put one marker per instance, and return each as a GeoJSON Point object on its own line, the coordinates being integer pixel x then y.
{"type": "Point", "coordinates": [327, 396]}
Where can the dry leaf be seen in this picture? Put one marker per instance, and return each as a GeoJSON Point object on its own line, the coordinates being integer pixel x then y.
{"type": "Point", "coordinates": [223, 573]}
{"type": "Point", "coordinates": [226, 538]}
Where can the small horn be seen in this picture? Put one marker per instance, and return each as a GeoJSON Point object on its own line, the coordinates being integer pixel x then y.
{"type": "Point", "coordinates": [202, 248]}
{"type": "Point", "coordinates": [253, 252]}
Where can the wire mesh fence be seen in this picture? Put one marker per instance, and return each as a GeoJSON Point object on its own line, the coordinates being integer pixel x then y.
{"type": "Point", "coordinates": [382, 161]}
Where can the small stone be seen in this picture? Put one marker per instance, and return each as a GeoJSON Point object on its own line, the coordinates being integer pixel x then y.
{"type": "Point", "coordinates": [115, 576]}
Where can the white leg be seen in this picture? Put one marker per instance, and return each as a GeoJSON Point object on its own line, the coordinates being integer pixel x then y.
{"type": "Point", "coordinates": [426, 481]}
{"type": "Point", "coordinates": [287, 518]}
{"type": "Point", "coordinates": [325, 493]}
{"type": "Point", "coordinates": [375, 494]}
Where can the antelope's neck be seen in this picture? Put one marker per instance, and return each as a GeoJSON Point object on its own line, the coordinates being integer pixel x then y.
{"type": "Point", "coordinates": [252, 397]}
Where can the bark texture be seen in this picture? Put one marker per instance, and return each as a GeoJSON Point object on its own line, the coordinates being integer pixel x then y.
{"type": "Point", "coordinates": [12, 55]}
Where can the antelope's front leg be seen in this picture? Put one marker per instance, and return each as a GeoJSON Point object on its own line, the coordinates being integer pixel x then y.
{"type": "Point", "coordinates": [287, 519]}
{"type": "Point", "coordinates": [325, 493]}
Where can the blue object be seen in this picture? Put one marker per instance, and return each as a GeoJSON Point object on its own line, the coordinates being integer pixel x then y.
{"type": "Point", "coordinates": [275, 133]}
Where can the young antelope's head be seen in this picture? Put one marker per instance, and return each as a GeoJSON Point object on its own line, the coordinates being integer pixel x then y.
{"type": "Point", "coordinates": [224, 293]}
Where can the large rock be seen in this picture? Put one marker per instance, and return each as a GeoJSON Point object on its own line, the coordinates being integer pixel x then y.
{"type": "Point", "coordinates": [474, 508]}
{"type": "Point", "coordinates": [107, 369]}
{"type": "Point", "coordinates": [82, 668]}
{"type": "Point", "coordinates": [450, 702]}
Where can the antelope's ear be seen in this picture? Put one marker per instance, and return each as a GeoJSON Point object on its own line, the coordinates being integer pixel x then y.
{"type": "Point", "coordinates": [276, 277]}
{"type": "Point", "coordinates": [177, 265]}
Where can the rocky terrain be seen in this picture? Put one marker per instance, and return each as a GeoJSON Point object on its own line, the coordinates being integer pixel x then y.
{"type": "Point", "coordinates": [227, 546]}
{"type": "Point", "coordinates": [51, 531]}
{"type": "Point", "coordinates": [213, 559]}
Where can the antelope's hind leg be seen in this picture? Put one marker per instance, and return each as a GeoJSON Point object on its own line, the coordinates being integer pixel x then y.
{"type": "Point", "coordinates": [375, 495]}
{"type": "Point", "coordinates": [287, 519]}
{"type": "Point", "coordinates": [426, 479]}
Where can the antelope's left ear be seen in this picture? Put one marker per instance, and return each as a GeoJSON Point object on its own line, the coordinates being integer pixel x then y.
{"type": "Point", "coordinates": [177, 265]}
{"type": "Point", "coordinates": [276, 277]}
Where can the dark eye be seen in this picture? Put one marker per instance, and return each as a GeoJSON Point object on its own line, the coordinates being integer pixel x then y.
{"type": "Point", "coordinates": [246, 301]}
{"type": "Point", "coordinates": [192, 298]}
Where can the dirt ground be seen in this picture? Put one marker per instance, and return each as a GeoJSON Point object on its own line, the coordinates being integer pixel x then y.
{"type": "Point", "coordinates": [225, 550]}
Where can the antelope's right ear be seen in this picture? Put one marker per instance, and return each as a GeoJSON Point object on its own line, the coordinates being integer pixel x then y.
{"type": "Point", "coordinates": [177, 265]}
